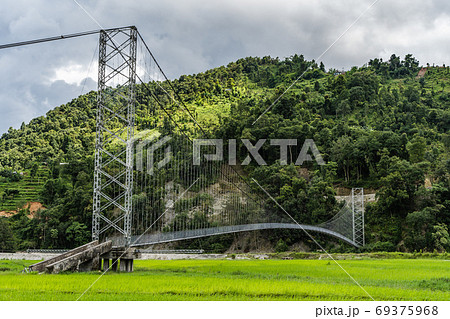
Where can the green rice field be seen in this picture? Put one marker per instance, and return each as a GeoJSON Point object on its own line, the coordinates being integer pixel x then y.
{"type": "Point", "coordinates": [383, 279]}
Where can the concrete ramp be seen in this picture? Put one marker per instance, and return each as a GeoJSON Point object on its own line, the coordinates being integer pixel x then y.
{"type": "Point", "coordinates": [83, 258]}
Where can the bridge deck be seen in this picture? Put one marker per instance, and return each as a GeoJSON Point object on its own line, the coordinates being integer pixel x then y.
{"type": "Point", "coordinates": [158, 238]}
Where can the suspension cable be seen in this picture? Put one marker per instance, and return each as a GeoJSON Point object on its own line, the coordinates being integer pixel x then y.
{"type": "Point", "coordinates": [187, 110]}
{"type": "Point", "coordinates": [55, 38]}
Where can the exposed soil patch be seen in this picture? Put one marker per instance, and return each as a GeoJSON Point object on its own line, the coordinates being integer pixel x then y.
{"type": "Point", "coordinates": [421, 73]}
{"type": "Point", "coordinates": [6, 214]}
{"type": "Point", "coordinates": [33, 208]}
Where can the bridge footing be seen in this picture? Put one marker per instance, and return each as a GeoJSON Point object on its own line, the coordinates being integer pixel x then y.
{"type": "Point", "coordinates": [120, 258]}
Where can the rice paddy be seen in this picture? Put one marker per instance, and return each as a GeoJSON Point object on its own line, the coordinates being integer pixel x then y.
{"type": "Point", "coordinates": [383, 279]}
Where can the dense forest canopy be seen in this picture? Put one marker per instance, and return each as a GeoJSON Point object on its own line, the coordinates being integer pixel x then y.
{"type": "Point", "coordinates": [378, 126]}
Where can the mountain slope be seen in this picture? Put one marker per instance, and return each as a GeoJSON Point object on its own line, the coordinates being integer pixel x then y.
{"type": "Point", "coordinates": [376, 126]}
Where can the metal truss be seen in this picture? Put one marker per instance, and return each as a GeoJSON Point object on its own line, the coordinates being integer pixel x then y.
{"type": "Point", "coordinates": [113, 174]}
{"type": "Point", "coordinates": [358, 216]}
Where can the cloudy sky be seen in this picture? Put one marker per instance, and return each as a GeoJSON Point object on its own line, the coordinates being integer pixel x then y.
{"type": "Point", "coordinates": [191, 36]}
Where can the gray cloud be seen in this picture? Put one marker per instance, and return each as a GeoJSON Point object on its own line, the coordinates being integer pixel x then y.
{"type": "Point", "coordinates": [192, 36]}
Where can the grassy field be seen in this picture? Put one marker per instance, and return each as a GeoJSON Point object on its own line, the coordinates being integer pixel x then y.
{"type": "Point", "coordinates": [388, 279]}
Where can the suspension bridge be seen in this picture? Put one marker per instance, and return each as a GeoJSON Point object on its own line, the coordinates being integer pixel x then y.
{"type": "Point", "coordinates": [147, 188]}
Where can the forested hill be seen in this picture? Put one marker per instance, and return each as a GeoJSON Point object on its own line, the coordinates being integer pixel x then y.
{"type": "Point", "coordinates": [378, 126]}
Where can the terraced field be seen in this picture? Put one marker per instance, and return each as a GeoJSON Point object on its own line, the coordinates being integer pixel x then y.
{"type": "Point", "coordinates": [28, 187]}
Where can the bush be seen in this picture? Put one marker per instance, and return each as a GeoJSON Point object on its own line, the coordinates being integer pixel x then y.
{"type": "Point", "coordinates": [381, 246]}
{"type": "Point", "coordinates": [10, 175]}
{"type": "Point", "coordinates": [281, 246]}
{"type": "Point", "coordinates": [217, 248]}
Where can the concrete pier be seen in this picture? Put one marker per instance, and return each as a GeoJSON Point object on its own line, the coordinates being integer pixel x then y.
{"type": "Point", "coordinates": [120, 256]}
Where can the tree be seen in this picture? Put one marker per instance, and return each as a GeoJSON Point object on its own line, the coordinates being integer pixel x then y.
{"type": "Point", "coordinates": [422, 82]}
{"type": "Point", "coordinates": [416, 149]}
{"type": "Point", "coordinates": [316, 86]}
{"type": "Point", "coordinates": [356, 94]}
{"type": "Point", "coordinates": [411, 63]}
{"type": "Point", "coordinates": [420, 223]}
{"type": "Point", "coordinates": [339, 84]}
{"type": "Point", "coordinates": [394, 65]}
{"type": "Point", "coordinates": [393, 196]}
{"type": "Point", "coordinates": [78, 234]}
{"type": "Point", "coordinates": [281, 246]}
{"type": "Point", "coordinates": [322, 66]}
{"type": "Point", "coordinates": [342, 153]}
{"type": "Point", "coordinates": [7, 241]}
{"type": "Point", "coordinates": [441, 237]}
{"type": "Point", "coordinates": [343, 108]}
{"type": "Point", "coordinates": [399, 186]}
{"type": "Point", "coordinates": [368, 81]}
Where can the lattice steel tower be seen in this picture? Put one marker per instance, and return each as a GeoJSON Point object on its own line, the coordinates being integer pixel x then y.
{"type": "Point", "coordinates": [113, 175]}
{"type": "Point", "coordinates": [358, 216]}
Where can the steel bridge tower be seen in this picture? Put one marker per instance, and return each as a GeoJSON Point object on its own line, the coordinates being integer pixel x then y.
{"type": "Point", "coordinates": [113, 172]}
{"type": "Point", "coordinates": [358, 216]}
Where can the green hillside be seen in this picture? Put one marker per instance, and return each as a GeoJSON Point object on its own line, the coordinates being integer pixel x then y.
{"type": "Point", "coordinates": [376, 126]}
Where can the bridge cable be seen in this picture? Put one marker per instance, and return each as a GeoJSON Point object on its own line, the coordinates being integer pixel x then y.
{"type": "Point", "coordinates": [167, 113]}
{"type": "Point", "coordinates": [182, 131]}
{"type": "Point", "coordinates": [310, 236]}
{"type": "Point", "coordinates": [55, 38]}
{"type": "Point", "coordinates": [189, 112]}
